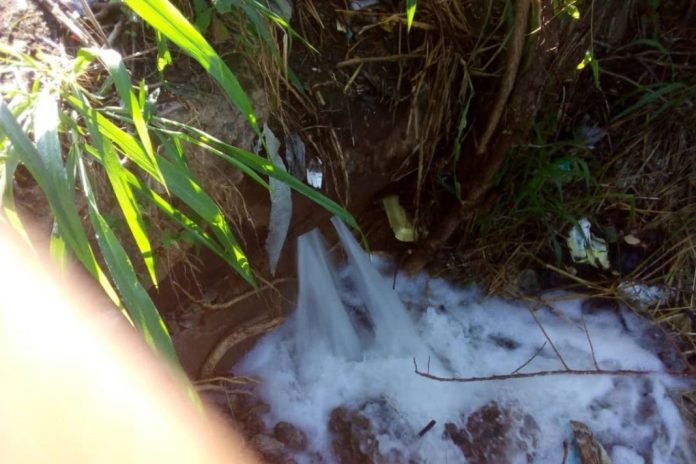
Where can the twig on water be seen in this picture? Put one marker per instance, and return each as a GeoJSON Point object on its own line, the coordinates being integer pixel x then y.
{"type": "Point", "coordinates": [558, 353]}
{"type": "Point", "coordinates": [526, 375]}
{"type": "Point", "coordinates": [529, 360]}
{"type": "Point", "coordinates": [589, 341]}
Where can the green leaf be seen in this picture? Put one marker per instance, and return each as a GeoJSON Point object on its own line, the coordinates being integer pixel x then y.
{"type": "Point", "coordinates": [410, 12]}
{"type": "Point", "coordinates": [58, 248]}
{"type": "Point", "coordinates": [50, 174]}
{"type": "Point", "coordinates": [119, 74]}
{"type": "Point", "coordinates": [181, 183]}
{"type": "Point", "coordinates": [137, 302]}
{"type": "Point", "coordinates": [132, 211]}
{"type": "Point", "coordinates": [169, 21]}
{"type": "Point", "coordinates": [263, 166]}
{"type": "Point", "coordinates": [650, 97]}
{"type": "Point", "coordinates": [164, 56]}
{"type": "Point", "coordinates": [7, 170]}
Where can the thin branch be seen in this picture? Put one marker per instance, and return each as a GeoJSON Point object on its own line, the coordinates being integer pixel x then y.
{"type": "Point", "coordinates": [378, 59]}
{"type": "Point", "coordinates": [529, 360]}
{"type": "Point", "coordinates": [526, 375]}
{"type": "Point", "coordinates": [589, 340]}
{"type": "Point", "coordinates": [558, 353]}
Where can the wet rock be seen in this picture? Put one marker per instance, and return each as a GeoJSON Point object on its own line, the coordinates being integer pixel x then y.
{"type": "Point", "coordinates": [353, 440]}
{"type": "Point", "coordinates": [589, 449]}
{"type": "Point", "coordinates": [495, 434]}
{"type": "Point", "coordinates": [270, 448]}
{"type": "Point", "coordinates": [290, 435]}
{"type": "Point", "coordinates": [249, 411]}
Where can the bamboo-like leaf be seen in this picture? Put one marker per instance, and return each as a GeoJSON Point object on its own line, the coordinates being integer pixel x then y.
{"type": "Point", "coordinates": [58, 248]}
{"type": "Point", "coordinates": [164, 56]}
{"type": "Point", "coordinates": [54, 185]}
{"type": "Point", "coordinates": [129, 206]}
{"type": "Point", "coordinates": [7, 170]}
{"type": "Point", "coordinates": [410, 12]}
{"type": "Point", "coordinates": [137, 302]}
{"type": "Point", "coordinates": [181, 184]}
{"type": "Point", "coordinates": [263, 166]}
{"type": "Point", "coordinates": [124, 196]}
{"type": "Point", "coordinates": [169, 21]}
{"type": "Point", "coordinates": [173, 213]}
{"type": "Point", "coordinates": [119, 74]}
{"type": "Point", "coordinates": [650, 97]}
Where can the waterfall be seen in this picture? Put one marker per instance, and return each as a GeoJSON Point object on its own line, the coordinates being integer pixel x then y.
{"type": "Point", "coordinates": [322, 320]}
{"type": "Point", "coordinates": [323, 323]}
{"type": "Point", "coordinates": [394, 331]}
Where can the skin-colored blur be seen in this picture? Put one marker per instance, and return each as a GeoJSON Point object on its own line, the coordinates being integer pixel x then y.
{"type": "Point", "coordinates": [75, 388]}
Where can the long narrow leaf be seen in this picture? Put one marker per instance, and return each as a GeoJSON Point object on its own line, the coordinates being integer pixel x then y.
{"type": "Point", "coordinates": [170, 211]}
{"type": "Point", "coordinates": [169, 21]}
{"type": "Point", "coordinates": [59, 196]}
{"type": "Point", "coordinates": [263, 166]}
{"type": "Point", "coordinates": [181, 184]}
{"type": "Point", "coordinates": [7, 202]}
{"type": "Point", "coordinates": [650, 97]}
{"type": "Point", "coordinates": [124, 196]}
{"type": "Point", "coordinates": [119, 74]}
{"type": "Point", "coordinates": [410, 12]}
{"type": "Point", "coordinates": [137, 302]}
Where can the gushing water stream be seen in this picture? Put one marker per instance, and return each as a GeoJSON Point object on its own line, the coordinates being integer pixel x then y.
{"type": "Point", "coordinates": [352, 341]}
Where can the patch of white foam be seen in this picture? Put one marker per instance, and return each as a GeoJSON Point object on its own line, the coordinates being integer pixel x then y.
{"type": "Point", "coordinates": [466, 334]}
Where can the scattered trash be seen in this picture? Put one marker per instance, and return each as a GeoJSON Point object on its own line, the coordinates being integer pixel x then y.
{"type": "Point", "coordinates": [362, 4]}
{"type": "Point", "coordinates": [398, 220]}
{"type": "Point", "coordinates": [632, 240]}
{"type": "Point", "coordinates": [315, 173]}
{"type": "Point", "coordinates": [281, 203]}
{"type": "Point", "coordinates": [585, 247]}
{"type": "Point", "coordinates": [76, 7]}
{"type": "Point", "coordinates": [340, 27]}
{"type": "Point", "coordinates": [590, 450]}
{"type": "Point", "coordinates": [295, 155]}
{"type": "Point", "coordinates": [645, 296]}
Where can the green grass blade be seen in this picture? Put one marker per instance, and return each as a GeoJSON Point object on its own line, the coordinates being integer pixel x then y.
{"type": "Point", "coordinates": [130, 146]}
{"type": "Point", "coordinates": [170, 211]}
{"type": "Point", "coordinates": [132, 212]}
{"type": "Point", "coordinates": [169, 21]}
{"type": "Point", "coordinates": [650, 97]}
{"type": "Point", "coordinates": [137, 302]}
{"type": "Point", "coordinates": [263, 166]}
{"type": "Point", "coordinates": [201, 142]}
{"type": "Point", "coordinates": [56, 188]}
{"type": "Point", "coordinates": [58, 249]}
{"type": "Point", "coordinates": [130, 208]}
{"type": "Point", "coordinates": [119, 74]}
{"type": "Point", "coordinates": [7, 170]}
{"type": "Point", "coordinates": [410, 12]}
{"type": "Point", "coordinates": [181, 184]}
{"type": "Point", "coordinates": [164, 56]}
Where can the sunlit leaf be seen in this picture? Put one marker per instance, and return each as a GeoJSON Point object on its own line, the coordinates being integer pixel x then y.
{"type": "Point", "coordinates": [410, 12]}
{"type": "Point", "coordinates": [137, 302]}
{"type": "Point", "coordinates": [169, 21]}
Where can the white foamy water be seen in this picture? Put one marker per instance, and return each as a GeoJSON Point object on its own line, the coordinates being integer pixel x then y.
{"type": "Point", "coordinates": [352, 341]}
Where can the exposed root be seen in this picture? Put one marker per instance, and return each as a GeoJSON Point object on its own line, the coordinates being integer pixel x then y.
{"type": "Point", "coordinates": [239, 335]}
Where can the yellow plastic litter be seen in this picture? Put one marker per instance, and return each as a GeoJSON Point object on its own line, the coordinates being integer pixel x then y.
{"type": "Point", "coordinates": [398, 220]}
